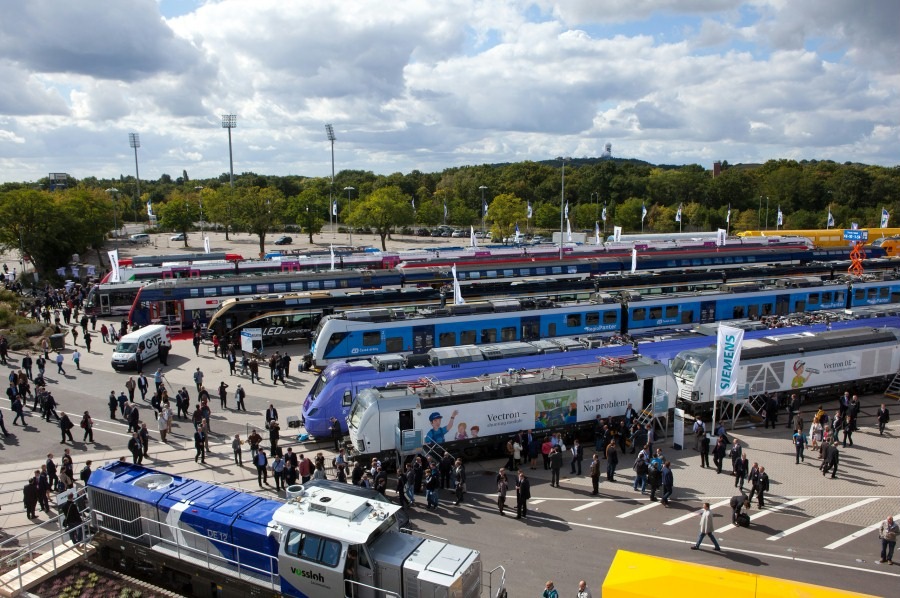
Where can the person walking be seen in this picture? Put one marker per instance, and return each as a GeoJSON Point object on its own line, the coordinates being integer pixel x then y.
{"type": "Point", "coordinates": [612, 460]}
{"type": "Point", "coordinates": [261, 462]}
{"type": "Point", "coordinates": [760, 487]}
{"type": "Point", "coordinates": [741, 469]}
{"type": "Point", "coordinates": [577, 458]}
{"type": "Point", "coordinates": [800, 442]}
{"type": "Point", "coordinates": [72, 517]}
{"type": "Point", "coordinates": [502, 487]}
{"type": "Point", "coordinates": [200, 445]}
{"type": "Point", "coordinates": [583, 591]}
{"type": "Point", "coordinates": [65, 427]}
{"type": "Point", "coordinates": [59, 364]}
{"type": "Point", "coordinates": [719, 454]}
{"type": "Point", "coordinates": [523, 493]}
{"type": "Point", "coordinates": [459, 475]}
{"type": "Point", "coordinates": [549, 591]}
{"type": "Point", "coordinates": [884, 417]}
{"type": "Point", "coordinates": [706, 529]}
{"type": "Point", "coordinates": [888, 534]}
{"type": "Point", "coordinates": [87, 424]}
{"type": "Point", "coordinates": [236, 448]}
{"type": "Point", "coordinates": [668, 483]}
{"type": "Point", "coordinates": [595, 475]}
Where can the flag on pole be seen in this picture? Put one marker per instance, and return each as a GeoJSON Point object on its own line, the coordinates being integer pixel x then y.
{"type": "Point", "coordinates": [728, 358]}
{"type": "Point", "coordinates": [457, 293]}
{"type": "Point", "coordinates": [149, 208]}
{"type": "Point", "coordinates": [206, 244]}
{"type": "Point", "coordinates": [530, 213]}
{"type": "Point", "coordinates": [884, 218]}
{"type": "Point", "coordinates": [567, 210]}
{"type": "Point", "coordinates": [780, 221]}
{"type": "Point", "coordinates": [597, 232]}
{"type": "Point", "coordinates": [331, 247]}
{"type": "Point", "coordinates": [472, 241]}
{"type": "Point", "coordinates": [568, 230]}
{"type": "Point", "coordinates": [830, 222]}
{"type": "Point", "coordinates": [634, 260]}
{"type": "Point", "coordinates": [413, 202]}
{"type": "Point", "coordinates": [517, 232]}
{"type": "Point", "coordinates": [603, 214]}
{"type": "Point", "coordinates": [678, 214]}
{"type": "Point", "coordinates": [334, 208]}
{"type": "Point", "coordinates": [617, 233]}
{"type": "Point", "coordinates": [728, 215]}
{"type": "Point", "coordinates": [445, 210]}
{"type": "Point", "coordinates": [116, 274]}
{"type": "Point", "coordinates": [643, 212]}
{"type": "Point", "coordinates": [484, 207]}
{"type": "Point", "coordinates": [854, 226]}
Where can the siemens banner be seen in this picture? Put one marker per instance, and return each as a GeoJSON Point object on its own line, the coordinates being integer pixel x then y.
{"type": "Point", "coordinates": [728, 358]}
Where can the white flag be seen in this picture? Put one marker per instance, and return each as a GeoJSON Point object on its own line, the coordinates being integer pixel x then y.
{"type": "Point", "coordinates": [617, 233]}
{"type": "Point", "coordinates": [603, 214]}
{"type": "Point", "coordinates": [517, 232]}
{"type": "Point", "coordinates": [331, 247]}
{"type": "Point", "coordinates": [116, 274]}
{"type": "Point", "coordinates": [634, 260]}
{"type": "Point", "coordinates": [830, 222]}
{"type": "Point", "coordinates": [567, 210]}
{"type": "Point", "coordinates": [854, 226]}
{"type": "Point", "coordinates": [678, 214]}
{"type": "Point", "coordinates": [884, 218]}
{"type": "Point", "coordinates": [568, 230]}
{"type": "Point", "coordinates": [445, 211]}
{"type": "Point", "coordinates": [334, 208]}
{"type": "Point", "coordinates": [721, 235]}
{"type": "Point", "coordinates": [728, 216]}
{"type": "Point", "coordinates": [780, 221]}
{"type": "Point", "coordinates": [728, 358]}
{"type": "Point", "coordinates": [206, 244]}
{"type": "Point", "coordinates": [457, 293]}
{"type": "Point", "coordinates": [472, 241]}
{"type": "Point", "coordinates": [597, 232]}
{"type": "Point", "coordinates": [74, 271]}
{"type": "Point", "coordinates": [149, 209]}
{"type": "Point", "coordinates": [643, 212]}
{"type": "Point", "coordinates": [529, 210]}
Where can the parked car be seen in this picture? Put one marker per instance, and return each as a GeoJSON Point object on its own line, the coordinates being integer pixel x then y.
{"type": "Point", "coordinates": [178, 237]}
{"type": "Point", "coordinates": [458, 233]}
{"type": "Point", "coordinates": [284, 240]}
{"type": "Point", "coordinates": [140, 238]}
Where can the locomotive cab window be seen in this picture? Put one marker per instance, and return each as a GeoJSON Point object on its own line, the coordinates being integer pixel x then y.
{"type": "Point", "coordinates": [312, 548]}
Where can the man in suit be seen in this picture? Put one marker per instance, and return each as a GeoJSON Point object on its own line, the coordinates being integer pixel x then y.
{"type": "Point", "coordinates": [831, 459]}
{"type": "Point", "coordinates": [761, 486]}
{"type": "Point", "coordinates": [271, 414]}
{"type": "Point", "coordinates": [844, 404]}
{"type": "Point", "coordinates": [884, 417]}
{"type": "Point", "coordinates": [577, 458]}
{"type": "Point", "coordinates": [523, 493]}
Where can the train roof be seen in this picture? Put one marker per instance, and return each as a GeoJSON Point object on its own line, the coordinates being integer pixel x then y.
{"type": "Point", "coordinates": [431, 393]}
{"type": "Point", "coordinates": [794, 343]}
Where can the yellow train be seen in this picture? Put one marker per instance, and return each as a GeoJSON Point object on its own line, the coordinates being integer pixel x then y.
{"type": "Point", "coordinates": [833, 237]}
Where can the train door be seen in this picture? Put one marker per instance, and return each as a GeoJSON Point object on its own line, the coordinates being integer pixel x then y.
{"type": "Point", "coordinates": [707, 311]}
{"type": "Point", "coordinates": [365, 574]}
{"type": "Point", "coordinates": [531, 328]}
{"type": "Point", "coordinates": [647, 398]}
{"type": "Point", "coordinates": [423, 338]}
{"type": "Point", "coordinates": [104, 305]}
{"type": "Point", "coordinates": [782, 305]}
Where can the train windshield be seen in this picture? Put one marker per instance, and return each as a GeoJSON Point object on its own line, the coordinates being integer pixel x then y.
{"type": "Point", "coordinates": [686, 367]}
{"type": "Point", "coordinates": [317, 387]}
{"type": "Point", "coordinates": [362, 402]}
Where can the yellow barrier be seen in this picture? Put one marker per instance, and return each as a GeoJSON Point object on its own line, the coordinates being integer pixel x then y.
{"type": "Point", "coordinates": [634, 575]}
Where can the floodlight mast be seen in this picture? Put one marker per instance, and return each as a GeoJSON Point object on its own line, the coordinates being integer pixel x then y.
{"type": "Point", "coordinates": [229, 121]}
{"type": "Point", "coordinates": [134, 140]}
{"type": "Point", "coordinates": [329, 130]}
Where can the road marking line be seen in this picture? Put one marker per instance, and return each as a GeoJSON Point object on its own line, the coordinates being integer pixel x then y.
{"type": "Point", "coordinates": [780, 507]}
{"type": "Point", "coordinates": [695, 513]}
{"type": "Point", "coordinates": [587, 505]}
{"type": "Point", "coordinates": [638, 510]}
{"type": "Point", "coordinates": [858, 534]}
{"type": "Point", "coordinates": [815, 520]}
{"type": "Point", "coordinates": [538, 501]}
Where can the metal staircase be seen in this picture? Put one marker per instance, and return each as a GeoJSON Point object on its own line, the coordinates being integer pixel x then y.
{"type": "Point", "coordinates": [893, 389]}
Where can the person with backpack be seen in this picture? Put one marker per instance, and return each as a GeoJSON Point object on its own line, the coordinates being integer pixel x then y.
{"type": "Point", "coordinates": [654, 477]}
{"type": "Point", "coordinates": [641, 470]}
{"type": "Point", "coordinates": [85, 474]}
{"type": "Point", "coordinates": [87, 424]}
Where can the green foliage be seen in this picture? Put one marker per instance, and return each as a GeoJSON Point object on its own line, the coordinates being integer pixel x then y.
{"type": "Point", "coordinates": [306, 210]}
{"type": "Point", "coordinates": [384, 209]}
{"type": "Point", "coordinates": [504, 212]}
{"type": "Point", "coordinates": [180, 213]}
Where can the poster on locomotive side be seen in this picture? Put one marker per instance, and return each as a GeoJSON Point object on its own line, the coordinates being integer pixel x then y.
{"type": "Point", "coordinates": [809, 371]}
{"type": "Point", "coordinates": [542, 411]}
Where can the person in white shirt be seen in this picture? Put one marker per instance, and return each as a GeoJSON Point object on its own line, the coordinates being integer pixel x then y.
{"type": "Point", "coordinates": [706, 529]}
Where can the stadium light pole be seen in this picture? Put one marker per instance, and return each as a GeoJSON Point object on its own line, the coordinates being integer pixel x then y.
{"type": "Point", "coordinates": [483, 211]}
{"type": "Point", "coordinates": [329, 130]}
{"type": "Point", "coordinates": [349, 189]}
{"type": "Point", "coordinates": [134, 140]}
{"type": "Point", "coordinates": [229, 121]}
{"type": "Point", "coordinates": [562, 209]}
{"type": "Point", "coordinates": [114, 196]}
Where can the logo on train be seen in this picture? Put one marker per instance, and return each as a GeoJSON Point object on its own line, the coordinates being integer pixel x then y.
{"type": "Point", "coordinates": [305, 573]}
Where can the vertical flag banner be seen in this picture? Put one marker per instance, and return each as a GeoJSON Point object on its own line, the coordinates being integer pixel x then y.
{"type": "Point", "coordinates": [721, 235]}
{"type": "Point", "coordinates": [445, 210]}
{"type": "Point", "coordinates": [116, 274]}
{"type": "Point", "coordinates": [728, 215]}
{"type": "Point", "coordinates": [74, 271]}
{"type": "Point", "coordinates": [472, 241]}
{"type": "Point", "coordinates": [603, 214]}
{"type": "Point", "coordinates": [149, 209]}
{"type": "Point", "coordinates": [643, 212]}
{"type": "Point", "coordinates": [206, 244]}
{"type": "Point", "coordinates": [854, 226]}
{"type": "Point", "coordinates": [617, 233]}
{"type": "Point", "coordinates": [413, 202]}
{"type": "Point", "coordinates": [484, 208]}
{"type": "Point", "coordinates": [884, 218]}
{"type": "Point", "coordinates": [529, 210]}
{"type": "Point", "coordinates": [331, 248]}
{"type": "Point", "coordinates": [634, 260]}
{"type": "Point", "coordinates": [830, 222]}
{"type": "Point", "coordinates": [678, 214]}
{"type": "Point", "coordinates": [728, 358]}
{"type": "Point", "coordinates": [517, 232]}
{"type": "Point", "coordinates": [780, 221]}
{"type": "Point", "coordinates": [568, 230]}
{"type": "Point", "coordinates": [457, 293]}
{"type": "Point", "coordinates": [597, 232]}
{"type": "Point", "coordinates": [334, 208]}
{"type": "Point", "coordinates": [566, 212]}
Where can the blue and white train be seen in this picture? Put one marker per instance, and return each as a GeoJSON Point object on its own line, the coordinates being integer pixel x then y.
{"type": "Point", "coordinates": [334, 390]}
{"type": "Point", "coordinates": [364, 333]}
{"type": "Point", "coordinates": [329, 539]}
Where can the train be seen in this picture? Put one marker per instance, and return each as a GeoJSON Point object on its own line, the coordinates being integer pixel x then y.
{"type": "Point", "coordinates": [327, 539]}
{"type": "Point", "coordinates": [832, 237]}
{"type": "Point", "coordinates": [335, 388]}
{"type": "Point", "coordinates": [366, 332]}
{"type": "Point", "coordinates": [475, 415]}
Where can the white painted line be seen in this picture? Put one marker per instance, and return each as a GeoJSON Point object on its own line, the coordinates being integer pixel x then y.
{"type": "Point", "coordinates": [761, 514]}
{"type": "Point", "coordinates": [537, 501]}
{"type": "Point", "coordinates": [638, 510]}
{"type": "Point", "coordinates": [858, 534]}
{"type": "Point", "coordinates": [587, 505]}
{"type": "Point", "coordinates": [816, 520]}
{"type": "Point", "coordinates": [695, 513]}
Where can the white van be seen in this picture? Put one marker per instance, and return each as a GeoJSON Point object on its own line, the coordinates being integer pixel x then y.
{"type": "Point", "coordinates": [140, 238]}
{"type": "Point", "coordinates": [147, 340]}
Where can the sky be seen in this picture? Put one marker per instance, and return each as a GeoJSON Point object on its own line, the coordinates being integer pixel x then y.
{"type": "Point", "coordinates": [419, 84]}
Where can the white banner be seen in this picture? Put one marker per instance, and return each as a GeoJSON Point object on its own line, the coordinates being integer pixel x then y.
{"type": "Point", "coordinates": [617, 233]}
{"type": "Point", "coordinates": [472, 241]}
{"type": "Point", "coordinates": [457, 292]}
{"type": "Point", "coordinates": [721, 235]}
{"type": "Point", "coordinates": [331, 249]}
{"type": "Point", "coordinates": [568, 231]}
{"type": "Point", "coordinates": [728, 358]}
{"type": "Point", "coordinates": [634, 260]}
{"type": "Point", "coordinates": [678, 430]}
{"type": "Point", "coordinates": [206, 244]}
{"type": "Point", "coordinates": [115, 272]}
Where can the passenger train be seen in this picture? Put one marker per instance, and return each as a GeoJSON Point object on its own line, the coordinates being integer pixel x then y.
{"type": "Point", "coordinates": [335, 388]}
{"type": "Point", "coordinates": [361, 333]}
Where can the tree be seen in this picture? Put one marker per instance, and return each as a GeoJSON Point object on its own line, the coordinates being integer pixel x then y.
{"type": "Point", "coordinates": [30, 220]}
{"type": "Point", "coordinates": [546, 215]}
{"type": "Point", "coordinates": [504, 212]}
{"type": "Point", "coordinates": [306, 210]}
{"type": "Point", "coordinates": [257, 210]}
{"type": "Point", "coordinates": [89, 213]}
{"type": "Point", "coordinates": [180, 213]}
{"type": "Point", "coordinates": [384, 209]}
{"type": "Point", "coordinates": [217, 206]}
